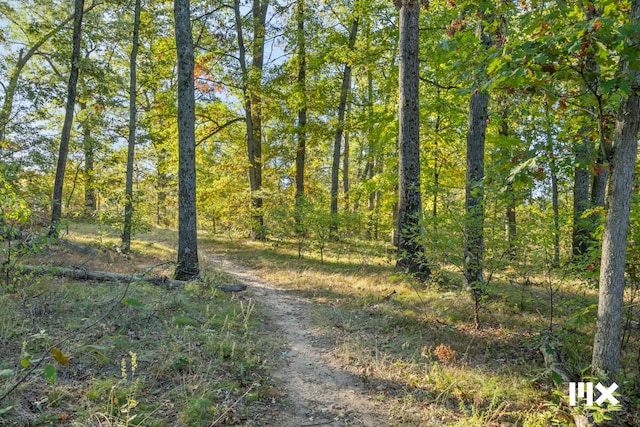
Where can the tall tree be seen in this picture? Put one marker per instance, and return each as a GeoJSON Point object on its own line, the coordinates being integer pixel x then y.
{"type": "Point", "coordinates": [342, 107]}
{"type": "Point", "coordinates": [252, 91]}
{"type": "Point", "coordinates": [582, 240]}
{"type": "Point", "coordinates": [56, 205]}
{"type": "Point", "coordinates": [187, 265]}
{"type": "Point", "coordinates": [606, 343]}
{"type": "Point", "coordinates": [474, 188]}
{"type": "Point", "coordinates": [581, 233]}
{"type": "Point", "coordinates": [88, 147]}
{"type": "Point", "coordinates": [474, 196]}
{"type": "Point", "coordinates": [411, 257]}
{"type": "Point", "coordinates": [23, 59]}
{"type": "Point", "coordinates": [301, 129]}
{"type": "Point", "coordinates": [128, 207]}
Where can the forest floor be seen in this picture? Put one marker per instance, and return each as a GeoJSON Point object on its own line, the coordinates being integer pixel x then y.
{"type": "Point", "coordinates": [336, 339]}
{"type": "Point", "coordinates": [318, 391]}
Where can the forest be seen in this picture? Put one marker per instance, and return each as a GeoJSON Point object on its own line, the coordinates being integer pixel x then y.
{"type": "Point", "coordinates": [351, 212]}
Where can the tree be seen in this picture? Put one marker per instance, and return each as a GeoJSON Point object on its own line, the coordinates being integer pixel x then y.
{"type": "Point", "coordinates": [251, 88]}
{"type": "Point", "coordinates": [410, 233]}
{"type": "Point", "coordinates": [606, 343]}
{"type": "Point", "coordinates": [474, 196]}
{"type": "Point", "coordinates": [23, 59]}
{"type": "Point", "coordinates": [474, 188]}
{"type": "Point", "coordinates": [301, 131]}
{"type": "Point", "coordinates": [56, 206]}
{"type": "Point", "coordinates": [342, 107]}
{"type": "Point", "coordinates": [187, 265]}
{"type": "Point", "coordinates": [128, 208]}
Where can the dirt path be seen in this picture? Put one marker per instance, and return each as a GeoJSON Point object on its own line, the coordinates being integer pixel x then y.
{"type": "Point", "coordinates": [316, 390]}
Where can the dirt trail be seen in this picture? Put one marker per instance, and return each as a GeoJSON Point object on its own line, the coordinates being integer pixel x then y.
{"type": "Point", "coordinates": [316, 390]}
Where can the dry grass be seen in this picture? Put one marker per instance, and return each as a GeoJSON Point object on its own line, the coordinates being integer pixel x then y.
{"type": "Point", "coordinates": [415, 344]}
{"type": "Point", "coordinates": [138, 354]}
{"type": "Point", "coordinates": [203, 356]}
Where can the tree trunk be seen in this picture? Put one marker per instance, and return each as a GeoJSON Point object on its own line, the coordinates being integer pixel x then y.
{"type": "Point", "coordinates": [510, 210]}
{"type": "Point", "coordinates": [99, 276]}
{"type": "Point", "coordinates": [187, 265]}
{"type": "Point", "coordinates": [345, 157]}
{"type": "Point", "coordinates": [556, 210]}
{"type": "Point", "coordinates": [606, 343]}
{"type": "Point", "coordinates": [474, 195]}
{"type": "Point", "coordinates": [23, 58]}
{"type": "Point", "coordinates": [128, 208]}
{"type": "Point", "coordinates": [56, 205]}
{"type": "Point", "coordinates": [252, 88]}
{"type": "Point", "coordinates": [301, 130]}
{"type": "Point", "coordinates": [257, 65]}
{"type": "Point", "coordinates": [411, 256]}
{"type": "Point", "coordinates": [162, 182]}
{"type": "Point", "coordinates": [342, 106]}
{"type": "Point", "coordinates": [581, 235]}
{"type": "Point", "coordinates": [90, 202]}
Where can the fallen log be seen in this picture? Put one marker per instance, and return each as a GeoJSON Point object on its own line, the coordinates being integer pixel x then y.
{"type": "Point", "coordinates": [101, 276]}
{"type": "Point", "coordinates": [552, 360]}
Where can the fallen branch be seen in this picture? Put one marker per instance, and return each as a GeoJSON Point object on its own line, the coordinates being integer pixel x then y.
{"type": "Point", "coordinates": [552, 360]}
{"type": "Point", "coordinates": [100, 276]}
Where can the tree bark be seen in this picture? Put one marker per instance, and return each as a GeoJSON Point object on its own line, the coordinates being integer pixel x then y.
{"type": "Point", "coordinates": [342, 106]}
{"type": "Point", "coordinates": [510, 209]}
{"type": "Point", "coordinates": [556, 209]}
{"type": "Point", "coordinates": [301, 130]}
{"type": "Point", "coordinates": [411, 249]}
{"type": "Point", "coordinates": [581, 234]}
{"type": "Point", "coordinates": [128, 207]}
{"type": "Point", "coordinates": [252, 88]}
{"type": "Point", "coordinates": [88, 147]}
{"type": "Point", "coordinates": [56, 205]}
{"type": "Point", "coordinates": [187, 265]}
{"type": "Point", "coordinates": [474, 193]}
{"type": "Point", "coordinates": [606, 343]}
{"type": "Point", "coordinates": [100, 276]}
{"type": "Point", "coordinates": [345, 156]}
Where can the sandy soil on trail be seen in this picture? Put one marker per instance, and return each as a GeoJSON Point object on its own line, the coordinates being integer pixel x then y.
{"type": "Point", "coordinates": [316, 391]}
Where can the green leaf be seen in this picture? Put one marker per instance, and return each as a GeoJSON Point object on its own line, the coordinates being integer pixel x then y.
{"type": "Point", "coordinates": [6, 373]}
{"type": "Point", "coordinates": [26, 361]}
{"type": "Point", "coordinates": [133, 302]}
{"type": "Point", "coordinates": [5, 410]}
{"type": "Point", "coordinates": [60, 357]}
{"type": "Point", "coordinates": [50, 373]}
{"type": "Point", "coordinates": [557, 378]}
{"type": "Point", "coordinates": [608, 85]}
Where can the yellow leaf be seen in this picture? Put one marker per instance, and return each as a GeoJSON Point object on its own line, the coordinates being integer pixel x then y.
{"type": "Point", "coordinates": [60, 356]}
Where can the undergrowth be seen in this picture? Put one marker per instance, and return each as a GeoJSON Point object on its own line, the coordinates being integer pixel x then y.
{"type": "Point", "coordinates": [415, 343]}
{"type": "Point", "coordinates": [129, 353]}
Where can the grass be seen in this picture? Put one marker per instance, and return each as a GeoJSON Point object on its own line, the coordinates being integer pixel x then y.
{"type": "Point", "coordinates": [138, 354]}
{"type": "Point", "coordinates": [396, 334]}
